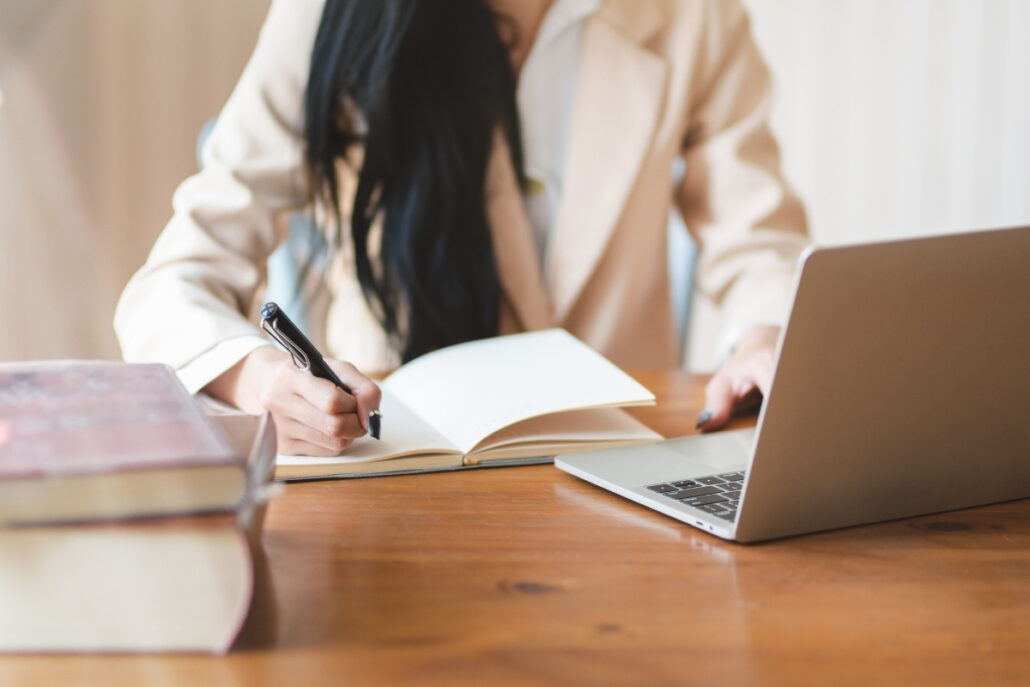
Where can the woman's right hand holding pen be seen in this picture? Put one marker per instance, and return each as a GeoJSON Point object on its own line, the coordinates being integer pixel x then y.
{"type": "Point", "coordinates": [313, 416]}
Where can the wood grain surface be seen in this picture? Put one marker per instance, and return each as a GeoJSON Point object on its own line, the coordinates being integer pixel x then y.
{"type": "Point", "coordinates": [528, 576]}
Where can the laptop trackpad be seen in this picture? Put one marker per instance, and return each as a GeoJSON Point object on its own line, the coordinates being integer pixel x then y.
{"type": "Point", "coordinates": [665, 461]}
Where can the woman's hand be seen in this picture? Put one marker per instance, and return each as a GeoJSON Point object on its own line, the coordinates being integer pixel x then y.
{"type": "Point", "coordinates": [313, 416]}
{"type": "Point", "coordinates": [743, 380]}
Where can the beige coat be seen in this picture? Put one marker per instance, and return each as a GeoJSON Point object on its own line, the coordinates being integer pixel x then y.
{"type": "Point", "coordinates": [657, 79]}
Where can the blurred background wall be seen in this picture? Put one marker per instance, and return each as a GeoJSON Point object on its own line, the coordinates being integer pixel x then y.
{"type": "Point", "coordinates": [897, 118]}
{"type": "Point", "coordinates": [102, 104]}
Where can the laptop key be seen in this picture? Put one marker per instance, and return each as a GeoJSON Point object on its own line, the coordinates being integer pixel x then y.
{"type": "Point", "coordinates": [662, 488]}
{"type": "Point", "coordinates": [704, 500]}
{"type": "Point", "coordinates": [729, 515]}
{"type": "Point", "coordinates": [711, 480]}
{"type": "Point", "coordinates": [713, 508]}
{"type": "Point", "coordinates": [691, 493]}
{"type": "Point", "coordinates": [686, 484]}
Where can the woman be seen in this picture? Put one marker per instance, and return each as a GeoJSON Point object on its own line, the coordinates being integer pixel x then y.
{"type": "Point", "coordinates": [481, 168]}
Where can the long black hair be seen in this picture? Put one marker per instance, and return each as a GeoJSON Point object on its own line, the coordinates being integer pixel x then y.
{"type": "Point", "coordinates": [433, 84]}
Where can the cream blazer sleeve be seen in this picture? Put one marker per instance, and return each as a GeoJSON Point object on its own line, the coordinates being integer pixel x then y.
{"type": "Point", "coordinates": [750, 226]}
{"type": "Point", "coordinates": [187, 306]}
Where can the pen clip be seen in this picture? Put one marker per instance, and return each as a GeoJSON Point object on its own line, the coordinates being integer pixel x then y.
{"type": "Point", "coordinates": [300, 359]}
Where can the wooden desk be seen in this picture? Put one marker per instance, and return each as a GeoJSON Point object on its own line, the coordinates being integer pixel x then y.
{"type": "Point", "coordinates": [528, 576]}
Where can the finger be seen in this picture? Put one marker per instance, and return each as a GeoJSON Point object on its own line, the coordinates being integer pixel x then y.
{"type": "Point", "coordinates": [367, 393]}
{"type": "Point", "coordinates": [287, 403]}
{"type": "Point", "coordinates": [345, 428]}
{"type": "Point", "coordinates": [286, 400]}
{"type": "Point", "coordinates": [752, 379]}
{"type": "Point", "coordinates": [759, 371]}
{"type": "Point", "coordinates": [754, 357]}
{"type": "Point", "coordinates": [290, 383]}
{"type": "Point", "coordinates": [747, 396]}
{"type": "Point", "coordinates": [748, 404]}
{"type": "Point", "coordinates": [298, 447]}
{"type": "Point", "coordinates": [719, 397]}
{"type": "Point", "coordinates": [324, 395]}
{"type": "Point", "coordinates": [332, 426]}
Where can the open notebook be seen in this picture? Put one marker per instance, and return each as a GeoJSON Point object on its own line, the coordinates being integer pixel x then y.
{"type": "Point", "coordinates": [507, 400]}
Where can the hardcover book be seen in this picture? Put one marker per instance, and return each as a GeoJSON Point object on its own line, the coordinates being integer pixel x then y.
{"type": "Point", "coordinates": [179, 583]}
{"type": "Point", "coordinates": [87, 440]}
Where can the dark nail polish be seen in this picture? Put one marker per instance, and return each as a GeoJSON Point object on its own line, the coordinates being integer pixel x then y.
{"type": "Point", "coordinates": [374, 418]}
{"type": "Point", "coordinates": [703, 418]}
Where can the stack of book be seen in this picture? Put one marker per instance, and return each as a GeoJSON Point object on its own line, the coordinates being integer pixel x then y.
{"type": "Point", "coordinates": [129, 518]}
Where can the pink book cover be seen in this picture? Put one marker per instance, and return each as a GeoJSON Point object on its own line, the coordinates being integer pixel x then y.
{"type": "Point", "coordinates": [77, 417]}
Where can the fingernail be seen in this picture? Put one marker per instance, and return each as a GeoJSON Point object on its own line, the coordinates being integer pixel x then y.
{"type": "Point", "coordinates": [374, 418]}
{"type": "Point", "coordinates": [703, 418]}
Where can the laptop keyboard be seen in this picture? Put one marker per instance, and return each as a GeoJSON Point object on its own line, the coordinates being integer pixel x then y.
{"type": "Point", "coordinates": [718, 494]}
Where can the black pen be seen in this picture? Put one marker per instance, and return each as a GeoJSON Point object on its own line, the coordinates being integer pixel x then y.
{"type": "Point", "coordinates": [305, 355]}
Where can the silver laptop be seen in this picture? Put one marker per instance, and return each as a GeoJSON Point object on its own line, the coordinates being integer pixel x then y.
{"type": "Point", "coordinates": [901, 387]}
